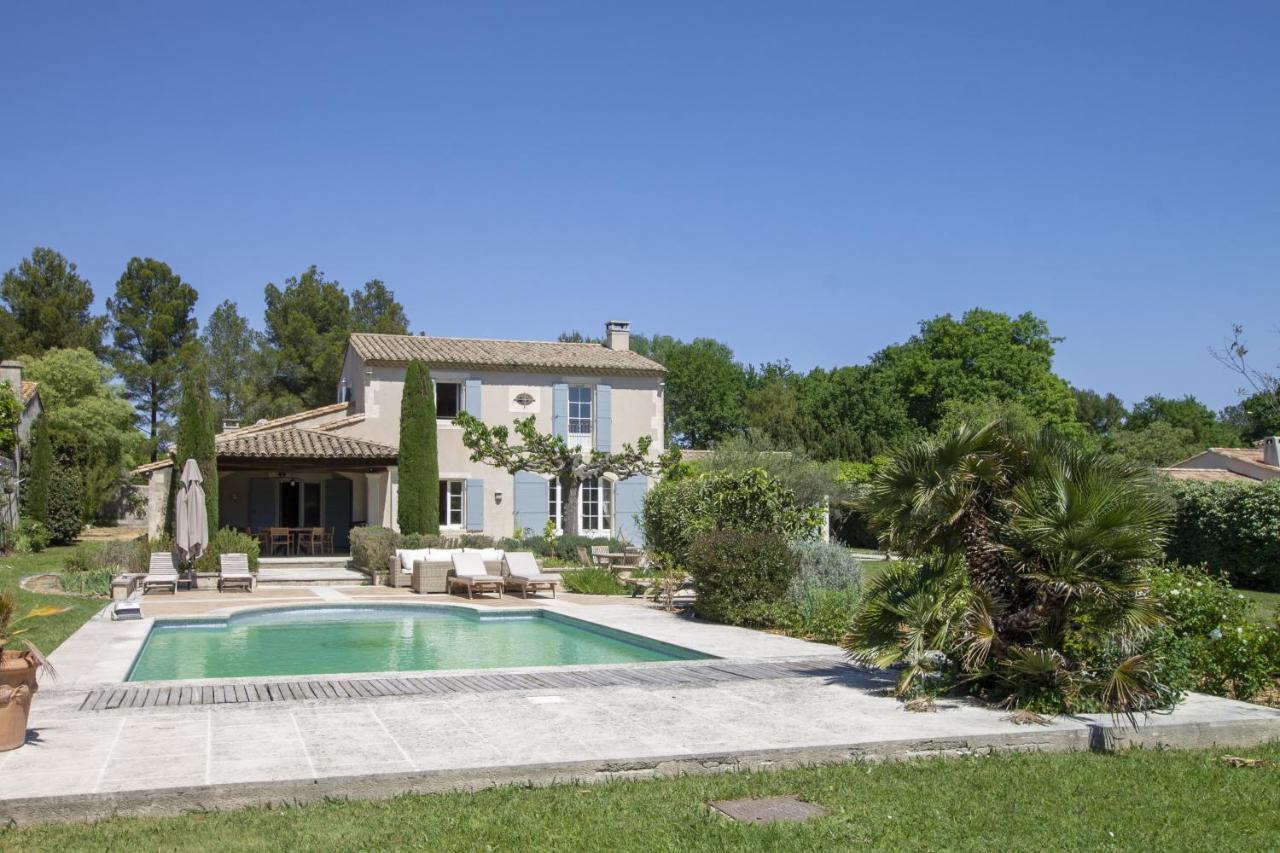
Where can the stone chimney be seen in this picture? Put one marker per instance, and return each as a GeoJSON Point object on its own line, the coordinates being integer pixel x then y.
{"type": "Point", "coordinates": [11, 372]}
{"type": "Point", "coordinates": [1270, 450]}
{"type": "Point", "coordinates": [617, 335]}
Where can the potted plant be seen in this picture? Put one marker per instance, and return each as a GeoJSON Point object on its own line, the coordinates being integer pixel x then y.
{"type": "Point", "coordinates": [19, 661]}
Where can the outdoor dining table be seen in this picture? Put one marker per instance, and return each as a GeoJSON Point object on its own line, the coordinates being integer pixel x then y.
{"type": "Point", "coordinates": [294, 532]}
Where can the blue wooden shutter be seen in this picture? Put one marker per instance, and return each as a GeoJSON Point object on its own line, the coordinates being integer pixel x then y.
{"type": "Point", "coordinates": [628, 503]}
{"type": "Point", "coordinates": [475, 504]}
{"type": "Point", "coordinates": [604, 418]}
{"type": "Point", "coordinates": [531, 501]}
{"type": "Point", "coordinates": [262, 502]}
{"type": "Point", "coordinates": [560, 409]}
{"type": "Point", "coordinates": [337, 510]}
{"type": "Point", "coordinates": [471, 398]}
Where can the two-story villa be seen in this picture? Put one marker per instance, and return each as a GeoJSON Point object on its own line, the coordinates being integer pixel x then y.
{"type": "Point", "coordinates": [335, 467]}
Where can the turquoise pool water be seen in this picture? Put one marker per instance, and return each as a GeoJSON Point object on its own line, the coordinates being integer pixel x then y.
{"type": "Point", "coordinates": [315, 640]}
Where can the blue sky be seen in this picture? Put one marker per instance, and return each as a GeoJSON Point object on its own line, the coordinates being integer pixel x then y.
{"type": "Point", "coordinates": [801, 180]}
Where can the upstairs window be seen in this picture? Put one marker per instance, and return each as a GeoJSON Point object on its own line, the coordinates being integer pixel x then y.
{"type": "Point", "coordinates": [580, 410]}
{"type": "Point", "coordinates": [448, 400]}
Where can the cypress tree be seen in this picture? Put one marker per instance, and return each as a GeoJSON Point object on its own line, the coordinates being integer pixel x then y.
{"type": "Point", "coordinates": [419, 509]}
{"type": "Point", "coordinates": [195, 436]}
{"type": "Point", "coordinates": [37, 493]}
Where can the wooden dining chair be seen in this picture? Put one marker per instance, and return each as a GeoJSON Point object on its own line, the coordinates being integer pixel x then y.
{"type": "Point", "coordinates": [279, 540]}
{"type": "Point", "coordinates": [309, 540]}
{"type": "Point", "coordinates": [327, 546]}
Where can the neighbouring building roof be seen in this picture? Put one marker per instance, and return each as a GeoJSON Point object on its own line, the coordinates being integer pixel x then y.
{"type": "Point", "coordinates": [287, 420]}
{"type": "Point", "coordinates": [1224, 463]}
{"type": "Point", "coordinates": [296, 443]}
{"type": "Point", "coordinates": [29, 389]}
{"type": "Point", "coordinates": [1245, 454]}
{"type": "Point", "coordinates": [340, 423]}
{"type": "Point", "coordinates": [397, 350]}
{"type": "Point", "coordinates": [1203, 474]}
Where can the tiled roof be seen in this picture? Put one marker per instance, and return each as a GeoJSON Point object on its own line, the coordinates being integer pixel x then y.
{"type": "Point", "coordinates": [397, 350]}
{"type": "Point", "coordinates": [295, 443]}
{"type": "Point", "coordinates": [29, 388]}
{"type": "Point", "coordinates": [240, 439]}
{"type": "Point", "coordinates": [1204, 474]}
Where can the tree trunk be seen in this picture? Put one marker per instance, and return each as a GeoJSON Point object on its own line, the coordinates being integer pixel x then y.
{"type": "Point", "coordinates": [569, 487]}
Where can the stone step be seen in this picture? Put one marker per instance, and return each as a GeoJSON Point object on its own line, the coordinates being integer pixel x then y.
{"type": "Point", "coordinates": [310, 576]}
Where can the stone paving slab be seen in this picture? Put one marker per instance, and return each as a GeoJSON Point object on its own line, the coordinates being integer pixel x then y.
{"type": "Point", "coordinates": [161, 760]}
{"type": "Point", "coordinates": [139, 758]}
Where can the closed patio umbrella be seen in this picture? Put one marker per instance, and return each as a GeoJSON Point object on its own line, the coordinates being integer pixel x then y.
{"type": "Point", "coordinates": [191, 523]}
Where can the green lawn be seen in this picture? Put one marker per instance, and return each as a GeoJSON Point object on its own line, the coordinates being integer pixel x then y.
{"type": "Point", "coordinates": [1266, 605]}
{"type": "Point", "coordinates": [46, 633]}
{"type": "Point", "coordinates": [1137, 801]}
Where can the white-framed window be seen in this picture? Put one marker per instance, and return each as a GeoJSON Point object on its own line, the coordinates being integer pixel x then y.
{"type": "Point", "coordinates": [448, 400]}
{"type": "Point", "coordinates": [595, 506]}
{"type": "Point", "coordinates": [453, 499]}
{"type": "Point", "coordinates": [553, 502]}
{"type": "Point", "coordinates": [580, 411]}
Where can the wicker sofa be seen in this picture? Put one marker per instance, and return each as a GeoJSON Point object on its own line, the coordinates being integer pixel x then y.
{"type": "Point", "coordinates": [430, 567]}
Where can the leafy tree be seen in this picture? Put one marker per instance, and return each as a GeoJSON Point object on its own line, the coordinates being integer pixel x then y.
{"type": "Point", "coordinates": [1159, 444]}
{"type": "Point", "coordinates": [233, 351]}
{"type": "Point", "coordinates": [36, 494]}
{"type": "Point", "coordinates": [65, 517]}
{"type": "Point", "coordinates": [551, 455]}
{"type": "Point", "coordinates": [704, 392]}
{"type": "Point", "coordinates": [1262, 388]}
{"type": "Point", "coordinates": [91, 425]}
{"type": "Point", "coordinates": [307, 324]}
{"type": "Point", "coordinates": [49, 304]}
{"type": "Point", "coordinates": [1100, 415]}
{"type": "Point", "coordinates": [375, 309]}
{"type": "Point", "coordinates": [151, 321]}
{"type": "Point", "coordinates": [984, 355]}
{"type": "Point", "coordinates": [853, 413]}
{"type": "Point", "coordinates": [419, 507]}
{"type": "Point", "coordinates": [196, 431]}
{"type": "Point", "coordinates": [10, 417]}
{"type": "Point", "coordinates": [772, 407]}
{"type": "Point", "coordinates": [1186, 413]}
{"type": "Point", "coordinates": [1255, 417]}
{"type": "Point", "coordinates": [1033, 586]}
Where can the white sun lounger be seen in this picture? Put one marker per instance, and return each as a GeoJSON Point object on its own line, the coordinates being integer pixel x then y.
{"type": "Point", "coordinates": [469, 571]}
{"type": "Point", "coordinates": [161, 573]}
{"type": "Point", "coordinates": [524, 573]}
{"type": "Point", "coordinates": [233, 571]}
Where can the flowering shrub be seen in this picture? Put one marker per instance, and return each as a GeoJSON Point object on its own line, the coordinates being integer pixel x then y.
{"type": "Point", "coordinates": [1209, 644]}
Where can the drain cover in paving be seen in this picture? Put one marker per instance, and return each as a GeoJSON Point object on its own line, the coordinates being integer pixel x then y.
{"type": "Point", "coordinates": [768, 809]}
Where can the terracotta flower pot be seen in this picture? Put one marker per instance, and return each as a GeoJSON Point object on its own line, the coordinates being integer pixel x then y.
{"type": "Point", "coordinates": [17, 685]}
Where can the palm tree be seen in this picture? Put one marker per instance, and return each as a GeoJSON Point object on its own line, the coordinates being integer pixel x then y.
{"type": "Point", "coordinates": [1050, 539]}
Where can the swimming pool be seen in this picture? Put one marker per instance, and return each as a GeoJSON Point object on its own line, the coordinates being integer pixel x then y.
{"type": "Point", "coordinates": [372, 638]}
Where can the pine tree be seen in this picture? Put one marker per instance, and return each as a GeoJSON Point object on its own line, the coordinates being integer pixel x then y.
{"type": "Point", "coordinates": [419, 510]}
{"type": "Point", "coordinates": [37, 492]}
{"type": "Point", "coordinates": [195, 435]}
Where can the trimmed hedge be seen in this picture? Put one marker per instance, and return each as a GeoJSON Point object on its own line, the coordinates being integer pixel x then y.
{"type": "Point", "coordinates": [677, 511]}
{"type": "Point", "coordinates": [741, 576]}
{"type": "Point", "coordinates": [1232, 528]}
